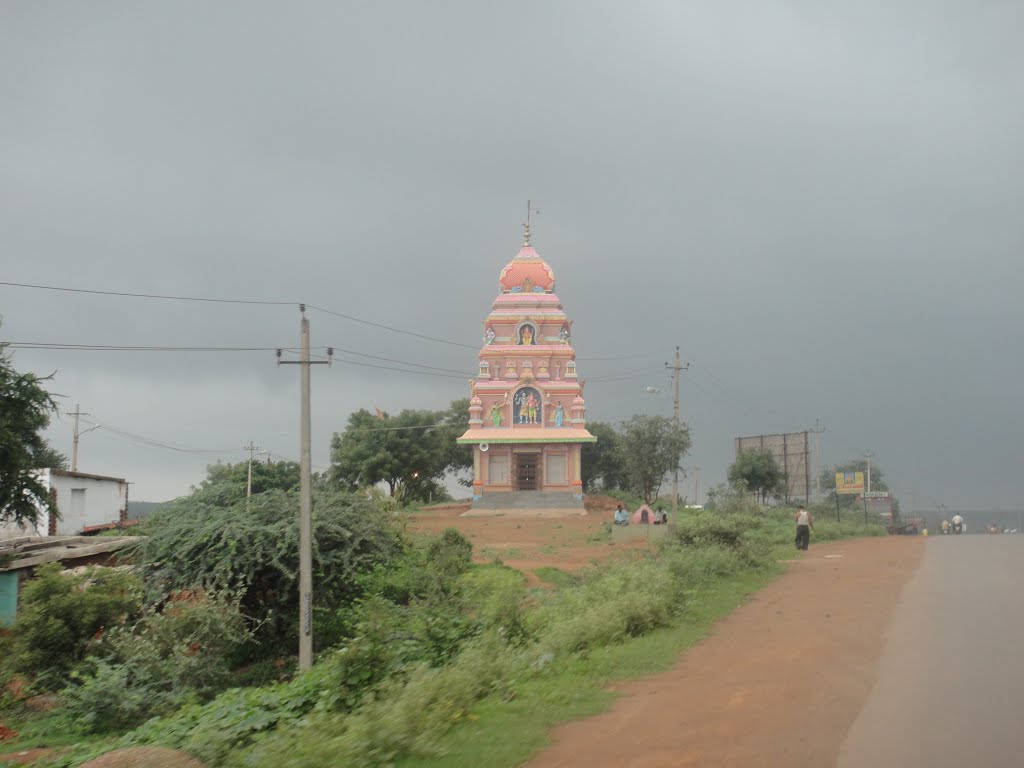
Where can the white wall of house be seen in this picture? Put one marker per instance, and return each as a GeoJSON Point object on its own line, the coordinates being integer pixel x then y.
{"type": "Point", "coordinates": [83, 500]}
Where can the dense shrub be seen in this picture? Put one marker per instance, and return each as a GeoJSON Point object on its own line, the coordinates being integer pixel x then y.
{"type": "Point", "coordinates": [451, 554]}
{"type": "Point", "coordinates": [404, 718]}
{"type": "Point", "coordinates": [251, 551]}
{"type": "Point", "coordinates": [62, 613]}
{"type": "Point", "coordinates": [607, 607]}
{"type": "Point", "coordinates": [749, 536]}
{"type": "Point", "coordinates": [163, 661]}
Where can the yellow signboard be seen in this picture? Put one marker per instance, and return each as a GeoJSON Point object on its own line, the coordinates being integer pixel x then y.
{"type": "Point", "coordinates": [849, 482]}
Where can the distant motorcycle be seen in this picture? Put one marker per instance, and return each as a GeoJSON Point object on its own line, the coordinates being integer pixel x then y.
{"type": "Point", "coordinates": [958, 528]}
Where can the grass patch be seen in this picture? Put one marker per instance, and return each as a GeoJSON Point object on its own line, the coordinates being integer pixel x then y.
{"type": "Point", "coordinates": [554, 576]}
{"type": "Point", "coordinates": [515, 730]}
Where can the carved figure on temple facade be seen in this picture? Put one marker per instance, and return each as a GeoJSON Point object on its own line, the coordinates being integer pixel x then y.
{"type": "Point", "coordinates": [526, 334]}
{"type": "Point", "coordinates": [532, 403]}
{"type": "Point", "coordinates": [526, 406]}
{"type": "Point", "coordinates": [489, 335]}
{"type": "Point", "coordinates": [559, 414]}
{"type": "Point", "coordinates": [564, 334]}
{"type": "Point", "coordinates": [495, 414]}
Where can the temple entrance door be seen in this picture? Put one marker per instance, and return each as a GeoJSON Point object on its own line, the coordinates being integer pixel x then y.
{"type": "Point", "coordinates": [527, 475]}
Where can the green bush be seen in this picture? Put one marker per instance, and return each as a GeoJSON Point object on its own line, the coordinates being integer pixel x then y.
{"type": "Point", "coordinates": [251, 551]}
{"type": "Point", "coordinates": [606, 607]}
{"type": "Point", "coordinates": [451, 554]}
{"type": "Point", "coordinates": [163, 661]}
{"type": "Point", "coordinates": [749, 536]}
{"type": "Point", "coordinates": [493, 594]}
{"type": "Point", "coordinates": [62, 613]}
{"type": "Point", "coordinates": [403, 718]}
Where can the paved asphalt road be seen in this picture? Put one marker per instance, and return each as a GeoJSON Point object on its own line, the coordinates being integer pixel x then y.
{"type": "Point", "coordinates": [950, 685]}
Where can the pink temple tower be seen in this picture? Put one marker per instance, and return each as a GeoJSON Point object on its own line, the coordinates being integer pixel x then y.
{"type": "Point", "coordinates": [527, 416]}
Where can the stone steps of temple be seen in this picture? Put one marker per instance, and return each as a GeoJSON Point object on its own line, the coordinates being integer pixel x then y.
{"type": "Point", "coordinates": [527, 500]}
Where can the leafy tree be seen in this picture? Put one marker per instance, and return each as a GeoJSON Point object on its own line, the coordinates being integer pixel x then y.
{"type": "Point", "coordinates": [460, 460]}
{"type": "Point", "coordinates": [601, 462]}
{"type": "Point", "coordinates": [650, 447]}
{"type": "Point", "coordinates": [25, 411]}
{"type": "Point", "coordinates": [50, 458]}
{"type": "Point", "coordinates": [759, 472]}
{"type": "Point", "coordinates": [410, 452]}
{"type": "Point", "coordinates": [226, 483]}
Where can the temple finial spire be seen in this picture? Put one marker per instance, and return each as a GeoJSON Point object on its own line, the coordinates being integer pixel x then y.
{"type": "Point", "coordinates": [526, 224]}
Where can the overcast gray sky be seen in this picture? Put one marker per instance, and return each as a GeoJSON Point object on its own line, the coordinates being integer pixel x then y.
{"type": "Point", "coordinates": [820, 202]}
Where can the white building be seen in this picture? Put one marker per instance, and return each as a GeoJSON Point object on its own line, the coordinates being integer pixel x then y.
{"type": "Point", "coordinates": [83, 502]}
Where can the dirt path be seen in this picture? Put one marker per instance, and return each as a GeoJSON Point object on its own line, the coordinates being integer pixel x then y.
{"type": "Point", "coordinates": [778, 683]}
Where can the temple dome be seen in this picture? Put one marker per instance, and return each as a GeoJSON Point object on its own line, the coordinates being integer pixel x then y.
{"type": "Point", "coordinates": [527, 273]}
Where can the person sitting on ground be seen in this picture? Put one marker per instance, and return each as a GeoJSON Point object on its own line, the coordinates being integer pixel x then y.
{"type": "Point", "coordinates": [621, 516]}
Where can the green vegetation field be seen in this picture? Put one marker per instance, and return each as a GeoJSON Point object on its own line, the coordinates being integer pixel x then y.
{"type": "Point", "coordinates": [431, 658]}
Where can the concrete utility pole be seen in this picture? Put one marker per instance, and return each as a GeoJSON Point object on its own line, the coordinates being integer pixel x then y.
{"type": "Point", "coordinates": [76, 434]}
{"type": "Point", "coordinates": [252, 449]}
{"type": "Point", "coordinates": [867, 457]}
{"type": "Point", "coordinates": [305, 495]}
{"type": "Point", "coordinates": [696, 486]}
{"type": "Point", "coordinates": [676, 368]}
{"type": "Point", "coordinates": [818, 429]}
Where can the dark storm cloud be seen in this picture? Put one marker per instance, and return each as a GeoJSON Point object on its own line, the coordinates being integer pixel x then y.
{"type": "Point", "coordinates": [819, 202]}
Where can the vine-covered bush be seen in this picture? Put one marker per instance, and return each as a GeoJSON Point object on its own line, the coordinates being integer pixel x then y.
{"type": "Point", "coordinates": [251, 551]}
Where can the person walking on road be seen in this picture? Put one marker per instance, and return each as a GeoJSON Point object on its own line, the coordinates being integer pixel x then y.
{"type": "Point", "coordinates": [804, 526]}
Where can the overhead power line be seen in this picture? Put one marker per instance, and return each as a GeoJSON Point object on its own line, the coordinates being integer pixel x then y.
{"type": "Point", "coordinates": [391, 328]}
{"type": "Point", "coordinates": [130, 294]}
{"type": "Point", "coordinates": [144, 441]}
{"type": "Point", "coordinates": [215, 300]}
{"type": "Point", "coordinates": [132, 347]}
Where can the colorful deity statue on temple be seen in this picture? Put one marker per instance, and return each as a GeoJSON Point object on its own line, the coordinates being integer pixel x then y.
{"type": "Point", "coordinates": [532, 404]}
{"type": "Point", "coordinates": [526, 335]}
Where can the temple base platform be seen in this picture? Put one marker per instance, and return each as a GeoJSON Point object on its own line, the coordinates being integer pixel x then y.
{"type": "Point", "coordinates": [526, 504]}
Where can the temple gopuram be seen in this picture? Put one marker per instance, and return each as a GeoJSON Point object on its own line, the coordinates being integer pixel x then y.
{"type": "Point", "coordinates": [527, 418]}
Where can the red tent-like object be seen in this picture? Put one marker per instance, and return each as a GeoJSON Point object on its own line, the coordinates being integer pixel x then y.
{"type": "Point", "coordinates": [637, 518]}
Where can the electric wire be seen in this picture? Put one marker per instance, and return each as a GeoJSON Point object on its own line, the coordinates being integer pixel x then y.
{"type": "Point", "coordinates": [131, 294]}
{"type": "Point", "coordinates": [278, 303]}
{"type": "Point", "coordinates": [142, 440]}
{"type": "Point", "coordinates": [391, 328]}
